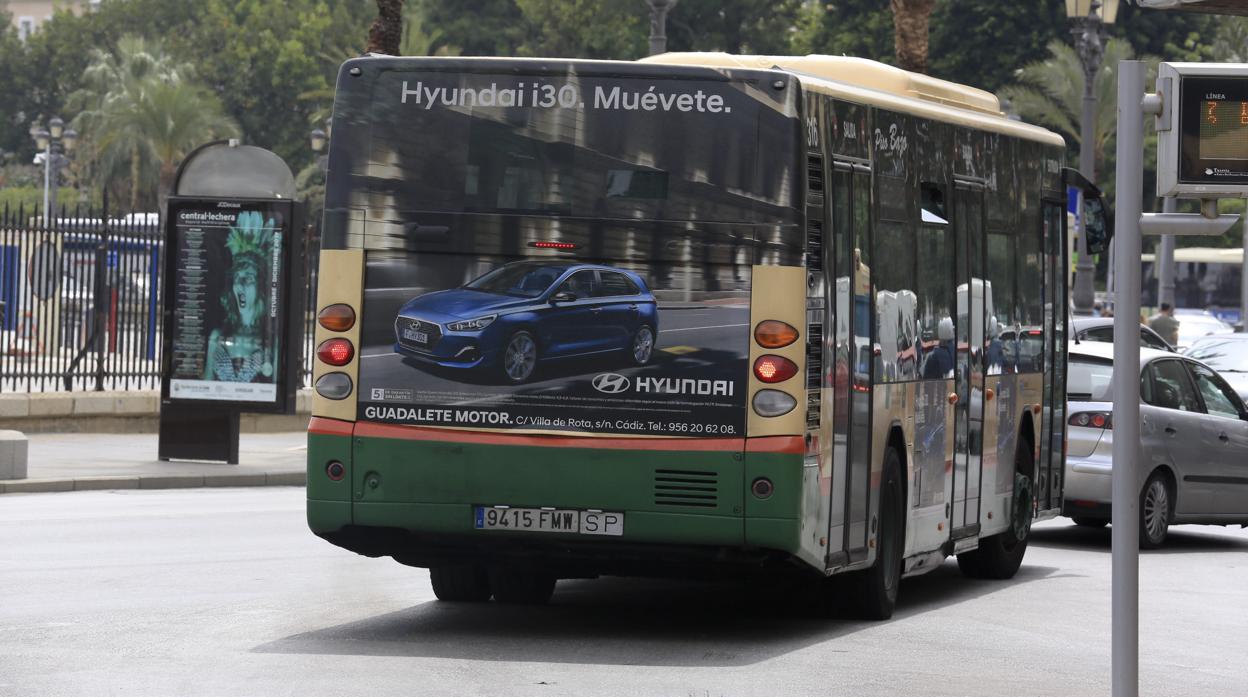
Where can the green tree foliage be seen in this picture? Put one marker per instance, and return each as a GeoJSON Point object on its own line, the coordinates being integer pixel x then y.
{"type": "Point", "coordinates": [861, 28]}
{"type": "Point", "coordinates": [735, 26]}
{"type": "Point", "coordinates": [584, 28]}
{"type": "Point", "coordinates": [477, 27]}
{"type": "Point", "coordinates": [142, 112]}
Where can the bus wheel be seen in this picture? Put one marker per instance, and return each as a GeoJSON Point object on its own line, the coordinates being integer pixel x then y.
{"type": "Point", "coordinates": [519, 357]}
{"type": "Point", "coordinates": [1000, 556]}
{"type": "Point", "coordinates": [521, 586]}
{"type": "Point", "coordinates": [464, 583]}
{"type": "Point", "coordinates": [874, 590]}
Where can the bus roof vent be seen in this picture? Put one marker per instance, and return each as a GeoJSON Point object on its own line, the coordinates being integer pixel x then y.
{"type": "Point", "coordinates": [852, 71]}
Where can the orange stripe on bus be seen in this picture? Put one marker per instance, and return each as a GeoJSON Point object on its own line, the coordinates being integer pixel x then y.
{"type": "Point", "coordinates": [790, 445]}
{"type": "Point", "coordinates": [330, 427]}
{"type": "Point", "coordinates": [398, 431]}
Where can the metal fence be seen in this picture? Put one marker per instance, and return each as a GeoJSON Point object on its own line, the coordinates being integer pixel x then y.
{"type": "Point", "coordinates": [80, 300]}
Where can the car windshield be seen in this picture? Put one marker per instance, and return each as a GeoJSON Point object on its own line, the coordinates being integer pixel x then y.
{"type": "Point", "coordinates": [523, 280]}
{"type": "Point", "coordinates": [1089, 380]}
{"type": "Point", "coordinates": [1223, 355]}
{"type": "Point", "coordinates": [1193, 327]}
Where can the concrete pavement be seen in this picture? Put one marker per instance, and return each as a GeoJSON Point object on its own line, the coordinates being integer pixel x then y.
{"type": "Point", "coordinates": [86, 461]}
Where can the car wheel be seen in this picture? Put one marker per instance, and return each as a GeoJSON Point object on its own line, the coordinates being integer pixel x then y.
{"type": "Point", "coordinates": [874, 590]}
{"type": "Point", "coordinates": [643, 345]}
{"type": "Point", "coordinates": [1090, 522]}
{"type": "Point", "coordinates": [1156, 504]}
{"type": "Point", "coordinates": [465, 584]}
{"type": "Point", "coordinates": [519, 357]}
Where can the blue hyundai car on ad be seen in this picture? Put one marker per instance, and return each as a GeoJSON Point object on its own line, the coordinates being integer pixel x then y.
{"type": "Point", "coordinates": [526, 312]}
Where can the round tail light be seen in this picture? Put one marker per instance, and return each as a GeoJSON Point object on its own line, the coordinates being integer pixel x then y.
{"type": "Point", "coordinates": [773, 403]}
{"type": "Point", "coordinates": [336, 318]}
{"type": "Point", "coordinates": [335, 351]}
{"type": "Point", "coordinates": [773, 334]}
{"type": "Point", "coordinates": [773, 369]}
{"type": "Point", "coordinates": [335, 471]}
{"type": "Point", "coordinates": [762, 488]}
{"type": "Point", "coordinates": [334, 385]}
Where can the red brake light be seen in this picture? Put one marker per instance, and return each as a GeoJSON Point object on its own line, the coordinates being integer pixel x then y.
{"type": "Point", "coordinates": [554, 245]}
{"type": "Point", "coordinates": [335, 351]}
{"type": "Point", "coordinates": [1092, 419]}
{"type": "Point", "coordinates": [772, 369]}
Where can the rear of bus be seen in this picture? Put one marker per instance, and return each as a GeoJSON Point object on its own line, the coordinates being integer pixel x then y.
{"type": "Point", "coordinates": [562, 313]}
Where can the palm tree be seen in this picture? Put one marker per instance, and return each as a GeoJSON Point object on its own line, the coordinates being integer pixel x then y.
{"type": "Point", "coordinates": [910, 23]}
{"type": "Point", "coordinates": [1050, 93]}
{"type": "Point", "coordinates": [142, 112]}
{"type": "Point", "coordinates": [386, 34]}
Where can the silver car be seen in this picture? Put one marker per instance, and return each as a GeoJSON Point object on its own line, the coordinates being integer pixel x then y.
{"type": "Point", "coordinates": [1102, 329]}
{"type": "Point", "coordinates": [1193, 455]}
{"type": "Point", "coordinates": [1227, 354]}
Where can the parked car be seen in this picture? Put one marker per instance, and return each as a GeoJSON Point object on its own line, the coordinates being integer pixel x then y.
{"type": "Point", "coordinates": [1102, 329]}
{"type": "Point", "coordinates": [1194, 324]}
{"type": "Point", "coordinates": [525, 312]}
{"type": "Point", "coordinates": [1193, 452]}
{"type": "Point", "coordinates": [1227, 354]}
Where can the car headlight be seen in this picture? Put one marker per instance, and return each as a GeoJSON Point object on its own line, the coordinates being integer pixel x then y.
{"type": "Point", "coordinates": [471, 325]}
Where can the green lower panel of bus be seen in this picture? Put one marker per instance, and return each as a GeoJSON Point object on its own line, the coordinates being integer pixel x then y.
{"type": "Point", "coordinates": [666, 497]}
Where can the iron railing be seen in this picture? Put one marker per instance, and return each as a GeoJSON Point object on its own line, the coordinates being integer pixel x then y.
{"type": "Point", "coordinates": [80, 300]}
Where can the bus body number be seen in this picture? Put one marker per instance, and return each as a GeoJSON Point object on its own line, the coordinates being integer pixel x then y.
{"type": "Point", "coordinates": [549, 520]}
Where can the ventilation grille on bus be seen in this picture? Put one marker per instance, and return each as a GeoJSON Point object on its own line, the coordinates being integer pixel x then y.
{"type": "Point", "coordinates": [814, 245]}
{"type": "Point", "coordinates": [814, 356]}
{"type": "Point", "coordinates": [686, 488]}
{"type": "Point", "coordinates": [814, 174]}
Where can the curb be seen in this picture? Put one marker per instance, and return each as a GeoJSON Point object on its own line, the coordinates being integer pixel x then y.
{"type": "Point", "coordinates": [153, 481]}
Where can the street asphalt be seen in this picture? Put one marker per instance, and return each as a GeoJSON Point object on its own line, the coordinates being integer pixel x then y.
{"type": "Point", "coordinates": [86, 461]}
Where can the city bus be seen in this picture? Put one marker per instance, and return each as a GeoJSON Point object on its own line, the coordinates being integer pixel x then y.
{"type": "Point", "coordinates": [697, 315]}
{"type": "Point", "coordinates": [1205, 278]}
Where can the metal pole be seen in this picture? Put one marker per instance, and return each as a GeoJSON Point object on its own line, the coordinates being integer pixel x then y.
{"type": "Point", "coordinates": [47, 177]}
{"type": "Point", "coordinates": [1163, 269]}
{"type": "Point", "coordinates": [1243, 280]}
{"type": "Point", "coordinates": [1126, 383]}
{"type": "Point", "coordinates": [54, 179]}
{"type": "Point", "coordinates": [1088, 44]}
{"type": "Point", "coordinates": [658, 24]}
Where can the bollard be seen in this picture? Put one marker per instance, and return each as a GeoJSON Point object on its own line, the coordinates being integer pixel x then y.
{"type": "Point", "coordinates": [12, 455]}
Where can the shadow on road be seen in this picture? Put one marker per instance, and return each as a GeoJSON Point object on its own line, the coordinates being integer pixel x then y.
{"type": "Point", "coordinates": [624, 621]}
{"type": "Point", "coordinates": [1183, 539]}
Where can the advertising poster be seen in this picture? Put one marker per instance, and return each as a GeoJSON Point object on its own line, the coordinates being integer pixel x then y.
{"type": "Point", "coordinates": [226, 301]}
{"type": "Point", "coordinates": [553, 345]}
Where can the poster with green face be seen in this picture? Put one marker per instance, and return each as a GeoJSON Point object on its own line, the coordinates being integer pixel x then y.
{"type": "Point", "coordinates": [228, 311]}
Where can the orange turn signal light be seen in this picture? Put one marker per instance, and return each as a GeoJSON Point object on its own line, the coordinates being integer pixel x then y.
{"type": "Point", "coordinates": [773, 334]}
{"type": "Point", "coordinates": [773, 369]}
{"type": "Point", "coordinates": [336, 318]}
{"type": "Point", "coordinates": [335, 351]}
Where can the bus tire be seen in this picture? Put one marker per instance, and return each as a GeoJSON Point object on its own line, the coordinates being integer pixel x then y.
{"type": "Point", "coordinates": [521, 586]}
{"type": "Point", "coordinates": [1000, 556]}
{"type": "Point", "coordinates": [464, 583]}
{"type": "Point", "coordinates": [873, 591]}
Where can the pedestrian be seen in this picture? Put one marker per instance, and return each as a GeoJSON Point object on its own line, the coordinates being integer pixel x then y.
{"type": "Point", "coordinates": [1097, 310]}
{"type": "Point", "coordinates": [1165, 324]}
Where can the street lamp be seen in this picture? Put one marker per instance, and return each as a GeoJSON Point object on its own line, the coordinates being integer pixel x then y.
{"type": "Point", "coordinates": [319, 140]}
{"type": "Point", "coordinates": [1088, 19]}
{"type": "Point", "coordinates": [52, 140]}
{"type": "Point", "coordinates": [658, 24]}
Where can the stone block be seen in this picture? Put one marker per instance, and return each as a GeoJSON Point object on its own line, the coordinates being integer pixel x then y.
{"type": "Point", "coordinates": [172, 481]}
{"type": "Point", "coordinates": [106, 483]}
{"type": "Point", "coordinates": [51, 403]}
{"type": "Point", "coordinates": [14, 406]}
{"type": "Point", "coordinates": [137, 403]}
{"type": "Point", "coordinates": [13, 451]}
{"type": "Point", "coordinates": [299, 478]}
{"type": "Point", "coordinates": [34, 486]}
{"type": "Point", "coordinates": [235, 479]}
{"type": "Point", "coordinates": [91, 403]}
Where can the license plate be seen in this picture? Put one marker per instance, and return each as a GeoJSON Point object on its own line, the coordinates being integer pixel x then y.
{"type": "Point", "coordinates": [549, 520]}
{"type": "Point", "coordinates": [413, 335]}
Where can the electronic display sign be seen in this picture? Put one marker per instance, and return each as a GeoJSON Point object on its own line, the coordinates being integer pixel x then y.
{"type": "Point", "coordinates": [1203, 130]}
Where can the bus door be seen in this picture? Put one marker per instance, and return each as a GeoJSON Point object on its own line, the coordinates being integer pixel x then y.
{"type": "Point", "coordinates": [852, 359]}
{"type": "Point", "coordinates": [1048, 487]}
{"type": "Point", "coordinates": [968, 363]}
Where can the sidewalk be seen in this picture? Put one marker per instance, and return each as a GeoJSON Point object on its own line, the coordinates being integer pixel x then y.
{"type": "Point", "coordinates": [86, 461]}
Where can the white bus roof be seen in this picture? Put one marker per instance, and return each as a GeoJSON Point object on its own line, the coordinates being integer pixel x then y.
{"type": "Point", "coordinates": [870, 82]}
{"type": "Point", "coordinates": [1205, 255]}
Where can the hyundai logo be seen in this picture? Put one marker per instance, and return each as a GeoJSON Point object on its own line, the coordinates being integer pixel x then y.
{"type": "Point", "coordinates": [611, 383]}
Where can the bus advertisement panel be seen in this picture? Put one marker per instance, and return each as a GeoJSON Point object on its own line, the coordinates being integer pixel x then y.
{"type": "Point", "coordinates": [565, 252]}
